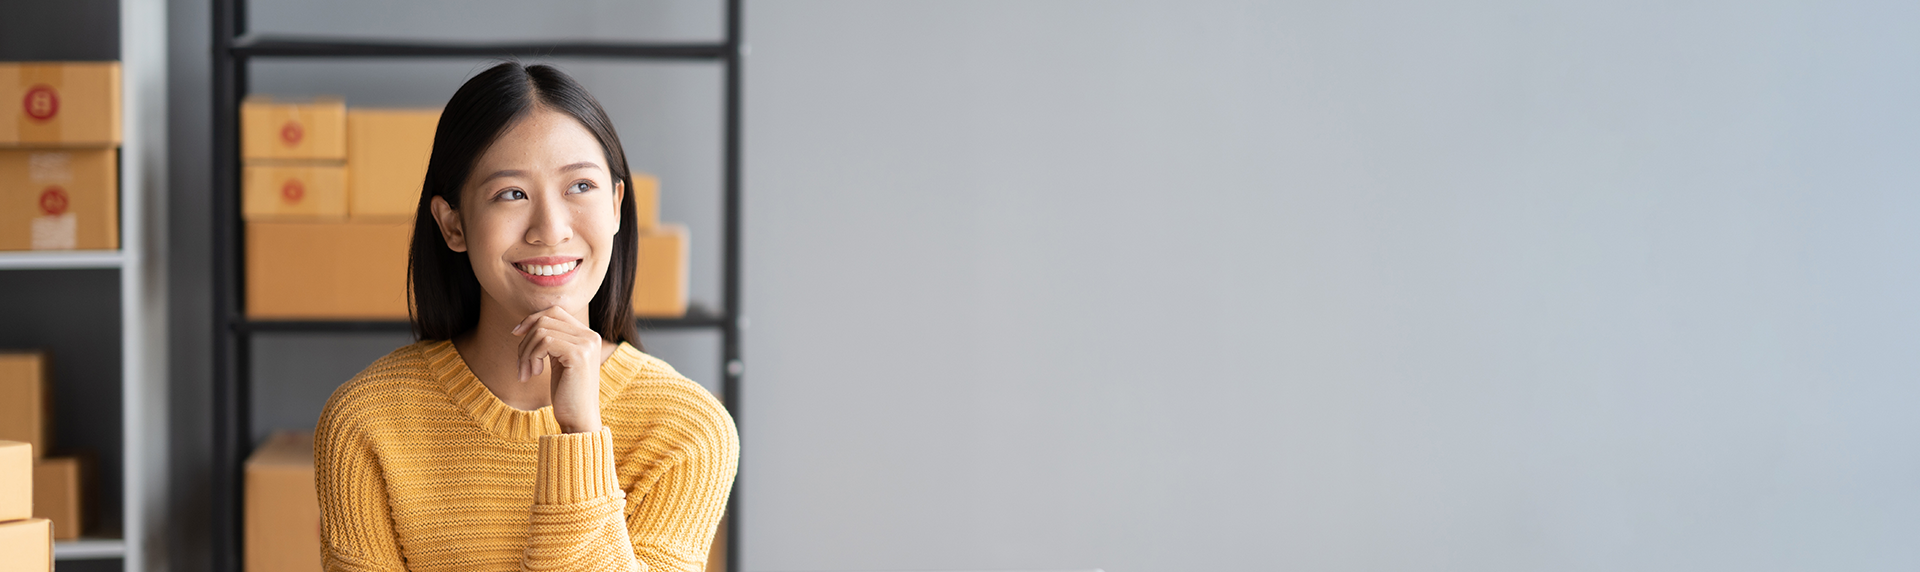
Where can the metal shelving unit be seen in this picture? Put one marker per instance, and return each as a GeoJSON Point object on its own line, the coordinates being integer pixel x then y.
{"type": "Point", "coordinates": [140, 276]}
{"type": "Point", "coordinates": [140, 268]}
{"type": "Point", "coordinates": [234, 50]}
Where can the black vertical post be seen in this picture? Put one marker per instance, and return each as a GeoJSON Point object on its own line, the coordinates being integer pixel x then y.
{"type": "Point", "coordinates": [229, 360]}
{"type": "Point", "coordinates": [731, 365]}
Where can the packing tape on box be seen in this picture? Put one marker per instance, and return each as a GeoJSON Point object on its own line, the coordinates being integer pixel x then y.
{"type": "Point", "coordinates": [54, 228]}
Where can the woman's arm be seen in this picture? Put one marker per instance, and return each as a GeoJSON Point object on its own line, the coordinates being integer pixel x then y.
{"type": "Point", "coordinates": [356, 532]}
{"type": "Point", "coordinates": [577, 506]}
{"type": "Point", "coordinates": [674, 520]}
{"type": "Point", "coordinates": [577, 501]}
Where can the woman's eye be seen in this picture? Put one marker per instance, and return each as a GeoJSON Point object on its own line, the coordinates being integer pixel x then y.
{"type": "Point", "coordinates": [512, 195]}
{"type": "Point", "coordinates": [582, 186]}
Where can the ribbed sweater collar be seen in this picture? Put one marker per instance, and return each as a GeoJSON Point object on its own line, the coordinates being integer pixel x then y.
{"type": "Point", "coordinates": [494, 415]}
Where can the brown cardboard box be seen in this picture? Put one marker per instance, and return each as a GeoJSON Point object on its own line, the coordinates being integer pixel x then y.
{"type": "Point", "coordinates": [283, 511]}
{"type": "Point", "coordinates": [295, 191]}
{"type": "Point", "coordinates": [59, 199]}
{"type": "Point", "coordinates": [24, 406]}
{"type": "Point", "coordinates": [299, 270]}
{"type": "Point", "coordinates": [660, 278]}
{"type": "Point", "coordinates": [26, 546]}
{"type": "Point", "coordinates": [16, 480]}
{"type": "Point", "coordinates": [387, 151]}
{"type": "Point", "coordinates": [315, 129]}
{"type": "Point", "coordinates": [646, 200]}
{"type": "Point", "coordinates": [60, 104]}
{"type": "Point", "coordinates": [57, 485]}
{"type": "Point", "coordinates": [717, 553]}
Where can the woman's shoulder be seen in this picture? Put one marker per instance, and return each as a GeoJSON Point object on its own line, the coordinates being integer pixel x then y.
{"type": "Point", "coordinates": [653, 393]}
{"type": "Point", "coordinates": [384, 384]}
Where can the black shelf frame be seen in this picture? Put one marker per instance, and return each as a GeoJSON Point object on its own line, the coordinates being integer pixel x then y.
{"type": "Point", "coordinates": [233, 52]}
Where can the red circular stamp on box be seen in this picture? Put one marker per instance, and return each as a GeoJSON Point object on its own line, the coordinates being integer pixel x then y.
{"type": "Point", "coordinates": [53, 201]}
{"type": "Point", "coordinates": [42, 102]}
{"type": "Point", "coordinates": [293, 191]}
{"type": "Point", "coordinates": [291, 133]}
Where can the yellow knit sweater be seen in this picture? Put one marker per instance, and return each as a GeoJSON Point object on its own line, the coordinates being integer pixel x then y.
{"type": "Point", "coordinates": [420, 467]}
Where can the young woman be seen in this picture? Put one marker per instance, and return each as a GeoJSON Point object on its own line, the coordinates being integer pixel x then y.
{"type": "Point", "coordinates": [523, 431]}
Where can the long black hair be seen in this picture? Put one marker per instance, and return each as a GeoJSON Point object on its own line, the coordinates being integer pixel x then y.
{"type": "Point", "coordinates": [444, 294]}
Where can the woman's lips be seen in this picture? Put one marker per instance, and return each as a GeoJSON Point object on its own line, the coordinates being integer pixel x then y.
{"type": "Point", "coordinates": [548, 270]}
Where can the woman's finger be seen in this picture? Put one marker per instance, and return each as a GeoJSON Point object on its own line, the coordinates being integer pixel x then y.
{"type": "Point", "coordinates": [534, 335]}
{"type": "Point", "coordinates": [521, 327]}
{"type": "Point", "coordinates": [533, 332]}
{"type": "Point", "coordinates": [547, 335]}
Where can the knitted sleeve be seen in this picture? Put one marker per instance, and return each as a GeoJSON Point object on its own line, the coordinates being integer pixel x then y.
{"type": "Point", "coordinates": [356, 532]}
{"type": "Point", "coordinates": [674, 523]}
{"type": "Point", "coordinates": [577, 507]}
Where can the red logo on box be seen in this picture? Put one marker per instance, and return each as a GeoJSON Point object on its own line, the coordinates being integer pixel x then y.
{"type": "Point", "coordinates": [293, 191]}
{"type": "Point", "coordinates": [53, 201]}
{"type": "Point", "coordinates": [291, 133]}
{"type": "Point", "coordinates": [41, 103]}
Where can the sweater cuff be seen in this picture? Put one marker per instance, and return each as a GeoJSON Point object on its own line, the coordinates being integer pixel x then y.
{"type": "Point", "coordinates": [576, 467]}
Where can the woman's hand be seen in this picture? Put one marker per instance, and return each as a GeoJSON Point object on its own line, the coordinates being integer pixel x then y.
{"type": "Point", "coordinates": [554, 337]}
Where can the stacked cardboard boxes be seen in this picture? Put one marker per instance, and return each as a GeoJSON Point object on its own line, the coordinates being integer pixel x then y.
{"type": "Point", "coordinates": [660, 273]}
{"type": "Point", "coordinates": [283, 509]}
{"type": "Point", "coordinates": [327, 195]}
{"type": "Point", "coordinates": [330, 195]}
{"type": "Point", "coordinates": [59, 483]}
{"type": "Point", "coordinates": [26, 543]}
{"type": "Point", "coordinates": [59, 166]}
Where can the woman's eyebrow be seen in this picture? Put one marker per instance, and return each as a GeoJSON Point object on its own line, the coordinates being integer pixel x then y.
{"type": "Point", "coordinates": [503, 173]}
{"type": "Point", "coordinates": [519, 173]}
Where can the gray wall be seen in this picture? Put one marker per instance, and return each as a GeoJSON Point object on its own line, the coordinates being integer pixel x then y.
{"type": "Point", "coordinates": [1333, 286]}
{"type": "Point", "coordinates": [1226, 285]}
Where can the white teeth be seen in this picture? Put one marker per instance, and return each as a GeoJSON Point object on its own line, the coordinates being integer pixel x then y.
{"type": "Point", "coordinates": [549, 269]}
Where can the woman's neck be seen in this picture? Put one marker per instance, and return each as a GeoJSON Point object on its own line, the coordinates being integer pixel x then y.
{"type": "Point", "coordinates": [492, 353]}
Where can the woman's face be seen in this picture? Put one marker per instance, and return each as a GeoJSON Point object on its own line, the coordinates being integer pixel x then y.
{"type": "Point", "coordinates": [537, 216]}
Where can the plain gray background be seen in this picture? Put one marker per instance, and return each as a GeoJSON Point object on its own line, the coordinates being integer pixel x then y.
{"type": "Point", "coordinates": [1159, 286]}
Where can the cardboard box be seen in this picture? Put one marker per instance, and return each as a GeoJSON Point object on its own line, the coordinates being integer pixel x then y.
{"type": "Point", "coordinates": [717, 553]}
{"type": "Point", "coordinates": [660, 278]}
{"type": "Point", "coordinates": [283, 511]}
{"type": "Point", "coordinates": [25, 409]}
{"type": "Point", "coordinates": [387, 151]}
{"type": "Point", "coordinates": [646, 200]}
{"type": "Point", "coordinates": [57, 495]}
{"type": "Point", "coordinates": [60, 104]}
{"type": "Point", "coordinates": [295, 191]}
{"type": "Point", "coordinates": [16, 480]}
{"type": "Point", "coordinates": [312, 130]}
{"type": "Point", "coordinates": [301, 270]}
{"type": "Point", "coordinates": [26, 546]}
{"type": "Point", "coordinates": [59, 199]}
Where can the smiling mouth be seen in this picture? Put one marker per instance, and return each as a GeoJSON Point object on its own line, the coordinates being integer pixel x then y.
{"type": "Point", "coordinates": [548, 269]}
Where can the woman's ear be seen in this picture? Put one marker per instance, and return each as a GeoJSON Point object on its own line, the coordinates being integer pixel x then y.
{"type": "Point", "coordinates": [619, 194]}
{"type": "Point", "coordinates": [450, 229]}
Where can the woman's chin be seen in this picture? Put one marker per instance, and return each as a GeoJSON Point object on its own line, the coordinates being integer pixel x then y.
{"type": "Point", "coordinates": [531, 302]}
{"type": "Point", "coordinates": [525, 299]}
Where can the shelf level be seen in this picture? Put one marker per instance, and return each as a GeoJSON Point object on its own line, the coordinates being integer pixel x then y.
{"type": "Point", "coordinates": [270, 46]}
{"type": "Point", "coordinates": [89, 549]}
{"type": "Point", "coordinates": [60, 259]}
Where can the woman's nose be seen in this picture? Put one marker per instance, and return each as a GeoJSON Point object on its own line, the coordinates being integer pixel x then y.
{"type": "Point", "coordinates": [550, 225]}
